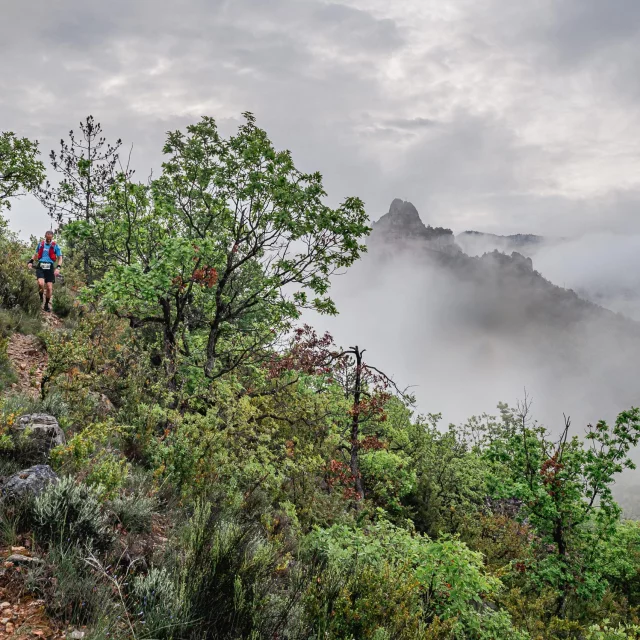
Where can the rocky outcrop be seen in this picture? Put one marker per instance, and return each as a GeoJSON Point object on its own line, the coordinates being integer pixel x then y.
{"type": "Point", "coordinates": [28, 482]}
{"type": "Point", "coordinates": [402, 226]}
{"type": "Point", "coordinates": [43, 431]}
{"type": "Point", "coordinates": [475, 243]}
{"type": "Point", "coordinates": [516, 260]}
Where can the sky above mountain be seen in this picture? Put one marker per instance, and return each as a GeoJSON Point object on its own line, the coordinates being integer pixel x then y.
{"type": "Point", "coordinates": [493, 115]}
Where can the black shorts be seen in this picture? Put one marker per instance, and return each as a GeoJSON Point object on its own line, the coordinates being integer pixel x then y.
{"type": "Point", "coordinates": [45, 274]}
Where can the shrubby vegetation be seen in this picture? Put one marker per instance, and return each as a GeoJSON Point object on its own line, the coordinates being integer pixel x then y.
{"type": "Point", "coordinates": [230, 474]}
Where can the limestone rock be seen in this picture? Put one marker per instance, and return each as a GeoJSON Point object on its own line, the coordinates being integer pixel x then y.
{"type": "Point", "coordinates": [43, 429]}
{"type": "Point", "coordinates": [28, 482]}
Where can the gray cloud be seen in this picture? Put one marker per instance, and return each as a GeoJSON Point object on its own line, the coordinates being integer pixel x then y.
{"type": "Point", "coordinates": [504, 117]}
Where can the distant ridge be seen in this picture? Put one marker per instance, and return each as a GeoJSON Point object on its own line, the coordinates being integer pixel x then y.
{"type": "Point", "coordinates": [522, 298]}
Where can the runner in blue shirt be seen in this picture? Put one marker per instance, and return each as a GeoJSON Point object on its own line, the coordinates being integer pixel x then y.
{"type": "Point", "coordinates": [45, 258]}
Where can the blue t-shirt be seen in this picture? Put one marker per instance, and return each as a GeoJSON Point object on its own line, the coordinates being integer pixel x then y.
{"type": "Point", "coordinates": [45, 254]}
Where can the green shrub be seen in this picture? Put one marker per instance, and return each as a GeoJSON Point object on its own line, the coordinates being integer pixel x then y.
{"type": "Point", "coordinates": [604, 631]}
{"type": "Point", "coordinates": [15, 518]}
{"type": "Point", "coordinates": [231, 583]}
{"type": "Point", "coordinates": [7, 374]}
{"type": "Point", "coordinates": [70, 513]}
{"type": "Point", "coordinates": [62, 301]}
{"type": "Point", "coordinates": [18, 321]}
{"type": "Point", "coordinates": [8, 464]}
{"type": "Point", "coordinates": [20, 404]}
{"type": "Point", "coordinates": [17, 447]}
{"type": "Point", "coordinates": [392, 580]}
{"type": "Point", "coordinates": [134, 512]}
{"type": "Point", "coordinates": [155, 601]}
{"type": "Point", "coordinates": [94, 453]}
{"type": "Point", "coordinates": [73, 591]}
{"type": "Point", "coordinates": [18, 286]}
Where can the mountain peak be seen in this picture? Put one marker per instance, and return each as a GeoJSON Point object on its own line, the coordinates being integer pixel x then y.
{"type": "Point", "coordinates": [402, 224]}
{"type": "Point", "coordinates": [404, 208]}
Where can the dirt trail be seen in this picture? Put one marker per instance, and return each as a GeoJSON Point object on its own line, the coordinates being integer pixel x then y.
{"type": "Point", "coordinates": [29, 361]}
{"type": "Point", "coordinates": [28, 357]}
{"type": "Point", "coordinates": [22, 617]}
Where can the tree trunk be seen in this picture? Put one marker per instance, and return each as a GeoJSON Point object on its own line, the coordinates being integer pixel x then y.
{"type": "Point", "coordinates": [558, 537]}
{"type": "Point", "coordinates": [355, 427]}
{"type": "Point", "coordinates": [87, 215]}
{"type": "Point", "coordinates": [170, 346]}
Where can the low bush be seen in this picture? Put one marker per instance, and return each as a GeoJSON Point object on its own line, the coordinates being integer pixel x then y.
{"type": "Point", "coordinates": [74, 591]}
{"type": "Point", "coordinates": [7, 374]}
{"type": "Point", "coordinates": [18, 321]}
{"type": "Point", "coordinates": [8, 464]}
{"type": "Point", "coordinates": [62, 301]}
{"type": "Point", "coordinates": [18, 286]}
{"type": "Point", "coordinates": [15, 518]}
{"type": "Point", "coordinates": [383, 578]}
{"type": "Point", "coordinates": [134, 512]}
{"type": "Point", "coordinates": [20, 404]}
{"type": "Point", "coordinates": [18, 448]}
{"type": "Point", "coordinates": [605, 631]}
{"type": "Point", "coordinates": [154, 598]}
{"type": "Point", "coordinates": [232, 581]}
{"type": "Point", "coordinates": [70, 513]}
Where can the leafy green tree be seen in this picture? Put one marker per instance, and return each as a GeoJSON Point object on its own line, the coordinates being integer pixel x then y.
{"type": "Point", "coordinates": [225, 248]}
{"type": "Point", "coordinates": [450, 485]}
{"type": "Point", "coordinates": [20, 169]}
{"type": "Point", "coordinates": [367, 391]}
{"type": "Point", "coordinates": [381, 578]}
{"type": "Point", "coordinates": [565, 489]}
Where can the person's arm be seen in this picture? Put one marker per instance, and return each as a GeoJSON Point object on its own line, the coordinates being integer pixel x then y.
{"type": "Point", "coordinates": [33, 259]}
{"type": "Point", "coordinates": [59, 258]}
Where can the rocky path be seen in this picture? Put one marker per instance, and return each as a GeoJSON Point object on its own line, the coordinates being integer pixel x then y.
{"type": "Point", "coordinates": [22, 617]}
{"type": "Point", "coordinates": [29, 361]}
{"type": "Point", "coordinates": [28, 357]}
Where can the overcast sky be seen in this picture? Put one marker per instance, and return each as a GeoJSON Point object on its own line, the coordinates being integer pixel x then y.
{"type": "Point", "coordinates": [487, 114]}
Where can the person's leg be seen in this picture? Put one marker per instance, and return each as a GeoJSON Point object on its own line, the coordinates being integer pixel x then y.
{"type": "Point", "coordinates": [41, 288]}
{"type": "Point", "coordinates": [49, 293]}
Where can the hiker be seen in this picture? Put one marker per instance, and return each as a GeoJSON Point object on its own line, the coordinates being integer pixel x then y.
{"type": "Point", "coordinates": [46, 255]}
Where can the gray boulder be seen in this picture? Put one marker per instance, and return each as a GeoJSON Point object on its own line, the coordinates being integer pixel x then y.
{"type": "Point", "coordinates": [28, 482]}
{"type": "Point", "coordinates": [43, 430]}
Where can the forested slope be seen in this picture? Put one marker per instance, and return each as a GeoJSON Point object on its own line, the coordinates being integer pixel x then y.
{"type": "Point", "coordinates": [190, 462]}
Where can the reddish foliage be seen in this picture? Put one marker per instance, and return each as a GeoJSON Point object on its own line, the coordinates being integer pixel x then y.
{"type": "Point", "coordinates": [549, 472]}
{"type": "Point", "coordinates": [338, 473]}
{"type": "Point", "coordinates": [372, 443]}
{"type": "Point", "coordinates": [205, 276]}
{"type": "Point", "coordinates": [290, 447]}
{"type": "Point", "coordinates": [308, 354]}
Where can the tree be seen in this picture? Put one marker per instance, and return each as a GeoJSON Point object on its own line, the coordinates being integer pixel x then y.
{"type": "Point", "coordinates": [226, 248]}
{"type": "Point", "coordinates": [20, 169]}
{"type": "Point", "coordinates": [366, 389]}
{"type": "Point", "coordinates": [87, 165]}
{"type": "Point", "coordinates": [565, 489]}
